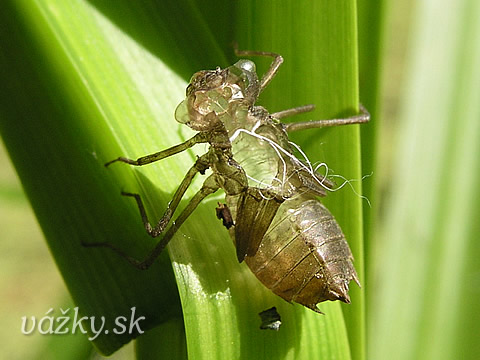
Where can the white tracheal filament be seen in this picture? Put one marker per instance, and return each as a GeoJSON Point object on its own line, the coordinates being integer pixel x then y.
{"type": "Point", "coordinates": [305, 165]}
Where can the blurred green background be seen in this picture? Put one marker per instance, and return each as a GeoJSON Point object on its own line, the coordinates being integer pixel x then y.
{"type": "Point", "coordinates": [420, 77]}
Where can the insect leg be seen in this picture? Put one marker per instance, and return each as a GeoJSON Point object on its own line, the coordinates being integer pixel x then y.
{"type": "Point", "coordinates": [198, 138]}
{"type": "Point", "coordinates": [209, 187]}
{"type": "Point", "coordinates": [294, 111]}
{"type": "Point", "coordinates": [199, 167]}
{"type": "Point", "coordinates": [361, 118]}
{"type": "Point", "coordinates": [271, 72]}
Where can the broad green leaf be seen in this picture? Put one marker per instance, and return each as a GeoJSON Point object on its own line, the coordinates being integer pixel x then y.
{"type": "Point", "coordinates": [318, 43]}
{"type": "Point", "coordinates": [87, 81]}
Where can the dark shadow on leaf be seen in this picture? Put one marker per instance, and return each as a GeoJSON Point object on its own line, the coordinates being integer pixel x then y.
{"type": "Point", "coordinates": [186, 35]}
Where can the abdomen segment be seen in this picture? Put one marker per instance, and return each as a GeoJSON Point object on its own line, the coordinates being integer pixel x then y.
{"type": "Point", "coordinates": [304, 256]}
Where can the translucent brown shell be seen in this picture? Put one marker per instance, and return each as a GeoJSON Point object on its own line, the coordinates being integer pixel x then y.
{"type": "Point", "coordinates": [289, 240]}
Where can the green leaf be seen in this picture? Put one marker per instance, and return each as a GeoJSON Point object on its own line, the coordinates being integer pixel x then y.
{"type": "Point", "coordinates": [86, 82]}
{"type": "Point", "coordinates": [318, 43]}
{"type": "Point", "coordinates": [371, 36]}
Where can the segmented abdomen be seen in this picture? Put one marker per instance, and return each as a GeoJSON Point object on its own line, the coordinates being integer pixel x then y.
{"type": "Point", "coordinates": [304, 256]}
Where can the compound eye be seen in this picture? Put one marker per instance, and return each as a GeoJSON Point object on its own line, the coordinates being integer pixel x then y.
{"type": "Point", "coordinates": [246, 65]}
{"type": "Point", "coordinates": [181, 113]}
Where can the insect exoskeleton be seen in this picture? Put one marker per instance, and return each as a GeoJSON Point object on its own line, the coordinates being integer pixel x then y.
{"type": "Point", "coordinates": [288, 239]}
{"type": "Point", "coordinates": [303, 256]}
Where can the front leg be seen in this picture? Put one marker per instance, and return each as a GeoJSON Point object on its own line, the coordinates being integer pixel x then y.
{"type": "Point", "coordinates": [210, 186]}
{"type": "Point", "coordinates": [148, 159]}
{"type": "Point", "coordinates": [200, 166]}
